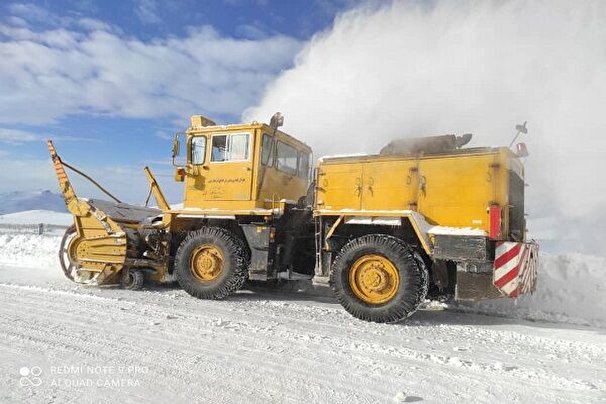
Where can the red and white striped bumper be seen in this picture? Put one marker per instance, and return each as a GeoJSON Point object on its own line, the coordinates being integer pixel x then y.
{"type": "Point", "coordinates": [515, 267]}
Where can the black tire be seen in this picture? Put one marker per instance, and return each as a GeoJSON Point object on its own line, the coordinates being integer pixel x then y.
{"type": "Point", "coordinates": [413, 278]}
{"type": "Point", "coordinates": [424, 277]}
{"type": "Point", "coordinates": [132, 279]}
{"type": "Point", "coordinates": [235, 265]}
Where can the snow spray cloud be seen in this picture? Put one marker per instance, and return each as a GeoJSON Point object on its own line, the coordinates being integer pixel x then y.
{"type": "Point", "coordinates": [409, 69]}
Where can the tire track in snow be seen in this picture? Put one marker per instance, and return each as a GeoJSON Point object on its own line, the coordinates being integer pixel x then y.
{"type": "Point", "coordinates": [107, 346]}
{"type": "Point", "coordinates": [315, 339]}
{"type": "Point", "coordinates": [411, 354]}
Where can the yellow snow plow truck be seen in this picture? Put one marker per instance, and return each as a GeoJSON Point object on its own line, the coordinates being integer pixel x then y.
{"type": "Point", "coordinates": [423, 218]}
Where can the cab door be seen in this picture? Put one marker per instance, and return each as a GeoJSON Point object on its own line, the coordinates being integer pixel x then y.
{"type": "Point", "coordinates": [229, 172]}
{"type": "Point", "coordinates": [224, 173]}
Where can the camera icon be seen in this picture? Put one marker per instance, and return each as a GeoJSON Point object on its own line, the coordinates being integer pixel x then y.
{"type": "Point", "coordinates": [30, 377]}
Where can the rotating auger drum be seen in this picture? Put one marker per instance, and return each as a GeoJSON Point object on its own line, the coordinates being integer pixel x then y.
{"type": "Point", "coordinates": [67, 258]}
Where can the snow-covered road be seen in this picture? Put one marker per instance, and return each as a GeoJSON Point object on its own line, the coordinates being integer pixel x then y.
{"type": "Point", "coordinates": [158, 345]}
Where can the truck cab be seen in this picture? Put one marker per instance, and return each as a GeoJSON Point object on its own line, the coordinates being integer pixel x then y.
{"type": "Point", "coordinates": [243, 167]}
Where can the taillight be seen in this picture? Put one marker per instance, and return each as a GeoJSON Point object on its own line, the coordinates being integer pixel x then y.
{"type": "Point", "coordinates": [494, 214]}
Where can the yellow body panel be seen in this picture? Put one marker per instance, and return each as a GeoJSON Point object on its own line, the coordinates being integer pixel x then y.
{"type": "Point", "coordinates": [453, 189]}
{"type": "Point", "coordinates": [243, 185]}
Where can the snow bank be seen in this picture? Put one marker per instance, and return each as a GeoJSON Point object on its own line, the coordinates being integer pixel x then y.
{"type": "Point", "coordinates": [571, 288]}
{"type": "Point", "coordinates": [38, 216]}
{"type": "Point", "coordinates": [29, 250]}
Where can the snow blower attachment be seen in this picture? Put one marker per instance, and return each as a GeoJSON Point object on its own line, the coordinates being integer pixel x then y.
{"type": "Point", "coordinates": [104, 244]}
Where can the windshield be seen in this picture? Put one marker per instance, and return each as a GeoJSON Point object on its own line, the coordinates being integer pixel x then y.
{"type": "Point", "coordinates": [198, 150]}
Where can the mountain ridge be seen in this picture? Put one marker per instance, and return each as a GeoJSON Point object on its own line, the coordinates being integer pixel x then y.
{"type": "Point", "coordinates": [39, 199]}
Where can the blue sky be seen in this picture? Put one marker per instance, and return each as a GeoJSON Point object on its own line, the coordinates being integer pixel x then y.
{"type": "Point", "coordinates": [111, 81]}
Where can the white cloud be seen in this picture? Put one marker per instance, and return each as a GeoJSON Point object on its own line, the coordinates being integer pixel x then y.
{"type": "Point", "coordinates": [19, 174]}
{"type": "Point", "coordinates": [258, 3]}
{"type": "Point", "coordinates": [17, 21]}
{"type": "Point", "coordinates": [15, 136]}
{"type": "Point", "coordinates": [29, 12]}
{"type": "Point", "coordinates": [147, 11]}
{"type": "Point", "coordinates": [128, 183]}
{"type": "Point", "coordinates": [91, 24]}
{"type": "Point", "coordinates": [47, 75]}
{"type": "Point", "coordinates": [408, 70]}
{"type": "Point", "coordinates": [254, 30]}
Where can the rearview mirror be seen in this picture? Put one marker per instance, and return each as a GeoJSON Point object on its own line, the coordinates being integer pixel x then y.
{"type": "Point", "coordinates": [176, 145]}
{"type": "Point", "coordinates": [276, 121]}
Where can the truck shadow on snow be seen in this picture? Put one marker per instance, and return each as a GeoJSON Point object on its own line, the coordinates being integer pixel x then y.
{"type": "Point", "coordinates": [429, 315]}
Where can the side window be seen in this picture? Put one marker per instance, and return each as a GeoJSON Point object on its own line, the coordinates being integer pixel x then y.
{"type": "Point", "coordinates": [230, 147]}
{"type": "Point", "coordinates": [303, 164]}
{"type": "Point", "coordinates": [266, 152]}
{"type": "Point", "coordinates": [286, 158]}
{"type": "Point", "coordinates": [198, 150]}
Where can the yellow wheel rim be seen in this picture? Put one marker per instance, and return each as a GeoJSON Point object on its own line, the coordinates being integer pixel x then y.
{"type": "Point", "coordinates": [374, 279]}
{"type": "Point", "coordinates": [206, 262]}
